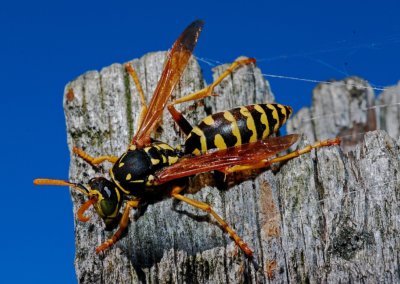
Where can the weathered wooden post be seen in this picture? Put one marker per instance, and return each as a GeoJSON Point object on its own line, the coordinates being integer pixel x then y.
{"type": "Point", "coordinates": [331, 218]}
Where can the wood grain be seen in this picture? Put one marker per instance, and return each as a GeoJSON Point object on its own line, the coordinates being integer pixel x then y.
{"type": "Point", "coordinates": [324, 217]}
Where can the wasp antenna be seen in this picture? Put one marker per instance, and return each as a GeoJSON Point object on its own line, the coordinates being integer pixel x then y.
{"type": "Point", "coordinates": [46, 181]}
{"type": "Point", "coordinates": [60, 182]}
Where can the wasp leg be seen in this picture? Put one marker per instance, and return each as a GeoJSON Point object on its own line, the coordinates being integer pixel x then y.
{"type": "Point", "coordinates": [208, 91]}
{"type": "Point", "coordinates": [93, 160]}
{"type": "Point", "coordinates": [123, 223]}
{"type": "Point", "coordinates": [183, 124]}
{"type": "Point", "coordinates": [207, 208]}
{"type": "Point", "coordinates": [291, 155]}
{"type": "Point", "coordinates": [139, 88]}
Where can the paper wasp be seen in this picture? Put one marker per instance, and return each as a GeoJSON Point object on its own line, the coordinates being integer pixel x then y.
{"type": "Point", "coordinates": [229, 141]}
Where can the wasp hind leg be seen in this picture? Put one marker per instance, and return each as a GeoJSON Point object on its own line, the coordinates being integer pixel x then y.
{"type": "Point", "coordinates": [123, 223]}
{"type": "Point", "coordinates": [207, 208]}
{"type": "Point", "coordinates": [183, 124]}
{"type": "Point", "coordinates": [209, 90]}
{"type": "Point", "coordinates": [291, 155]}
{"type": "Point", "coordinates": [94, 161]}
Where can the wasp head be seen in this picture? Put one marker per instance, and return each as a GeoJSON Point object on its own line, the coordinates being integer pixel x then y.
{"type": "Point", "coordinates": [106, 199]}
{"type": "Point", "coordinates": [103, 195]}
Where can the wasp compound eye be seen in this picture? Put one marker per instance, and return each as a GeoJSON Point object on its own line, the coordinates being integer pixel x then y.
{"type": "Point", "coordinates": [107, 196]}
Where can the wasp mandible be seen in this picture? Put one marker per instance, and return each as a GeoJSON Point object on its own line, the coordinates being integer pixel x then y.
{"type": "Point", "coordinates": [229, 141]}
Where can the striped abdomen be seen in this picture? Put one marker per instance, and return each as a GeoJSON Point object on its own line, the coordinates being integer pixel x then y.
{"type": "Point", "coordinates": [237, 126]}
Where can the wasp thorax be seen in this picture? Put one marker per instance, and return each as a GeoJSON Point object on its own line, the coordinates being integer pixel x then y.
{"type": "Point", "coordinates": [134, 171]}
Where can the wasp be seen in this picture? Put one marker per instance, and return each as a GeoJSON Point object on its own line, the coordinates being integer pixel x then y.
{"type": "Point", "coordinates": [230, 141]}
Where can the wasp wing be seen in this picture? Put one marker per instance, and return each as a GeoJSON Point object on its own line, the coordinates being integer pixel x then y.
{"type": "Point", "coordinates": [222, 159]}
{"type": "Point", "coordinates": [175, 64]}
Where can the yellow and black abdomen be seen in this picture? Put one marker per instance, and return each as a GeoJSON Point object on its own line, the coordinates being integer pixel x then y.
{"type": "Point", "coordinates": [237, 126]}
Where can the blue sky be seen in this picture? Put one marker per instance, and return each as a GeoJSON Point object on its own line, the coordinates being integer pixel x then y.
{"type": "Point", "coordinates": [45, 44]}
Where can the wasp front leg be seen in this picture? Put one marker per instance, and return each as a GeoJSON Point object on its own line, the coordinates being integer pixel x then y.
{"type": "Point", "coordinates": [94, 161]}
{"type": "Point", "coordinates": [139, 88]}
{"type": "Point", "coordinates": [123, 223]}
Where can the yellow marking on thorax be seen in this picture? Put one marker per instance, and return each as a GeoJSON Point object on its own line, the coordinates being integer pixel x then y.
{"type": "Point", "coordinates": [249, 123]}
{"type": "Point", "coordinates": [264, 120]}
{"type": "Point", "coordinates": [147, 149]}
{"type": "Point", "coordinates": [150, 180]}
{"type": "Point", "coordinates": [132, 147]}
{"type": "Point", "coordinates": [235, 129]}
{"type": "Point", "coordinates": [123, 156]}
{"type": "Point", "coordinates": [164, 159]}
{"type": "Point", "coordinates": [165, 147]}
{"type": "Point", "coordinates": [219, 142]}
{"type": "Point", "coordinates": [137, 181]}
{"type": "Point", "coordinates": [275, 115]}
{"type": "Point", "coordinates": [117, 183]}
{"type": "Point", "coordinates": [128, 176]}
{"type": "Point", "coordinates": [208, 120]}
{"type": "Point", "coordinates": [172, 160]}
{"type": "Point", "coordinates": [196, 152]}
{"type": "Point", "coordinates": [120, 165]}
{"type": "Point", "coordinates": [203, 142]}
{"type": "Point", "coordinates": [155, 161]}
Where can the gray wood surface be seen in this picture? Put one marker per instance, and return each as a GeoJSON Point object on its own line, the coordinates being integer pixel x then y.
{"type": "Point", "coordinates": [326, 217]}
